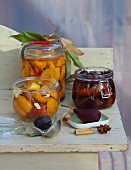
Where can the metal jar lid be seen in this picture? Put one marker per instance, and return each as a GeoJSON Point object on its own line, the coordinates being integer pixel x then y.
{"type": "Point", "coordinates": [93, 73]}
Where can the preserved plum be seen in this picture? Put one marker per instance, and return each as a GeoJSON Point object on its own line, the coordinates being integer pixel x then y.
{"type": "Point", "coordinates": [42, 122]}
{"type": "Point", "coordinates": [95, 85]}
{"type": "Point", "coordinates": [87, 103]}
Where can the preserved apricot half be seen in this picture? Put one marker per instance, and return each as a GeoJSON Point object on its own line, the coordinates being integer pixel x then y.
{"type": "Point", "coordinates": [54, 94]}
{"type": "Point", "coordinates": [39, 98]}
{"type": "Point", "coordinates": [40, 64]}
{"type": "Point", "coordinates": [52, 107]}
{"type": "Point", "coordinates": [56, 74]}
{"type": "Point", "coordinates": [47, 73]}
{"type": "Point", "coordinates": [50, 64]}
{"type": "Point", "coordinates": [18, 109]}
{"type": "Point", "coordinates": [24, 103]}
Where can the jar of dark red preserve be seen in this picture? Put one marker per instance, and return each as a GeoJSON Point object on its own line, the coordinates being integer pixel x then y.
{"type": "Point", "coordinates": [95, 83]}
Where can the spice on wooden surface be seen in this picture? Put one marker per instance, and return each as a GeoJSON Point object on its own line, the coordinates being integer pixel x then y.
{"type": "Point", "coordinates": [68, 115]}
{"type": "Point", "coordinates": [103, 128]}
{"type": "Point", "coordinates": [88, 131]}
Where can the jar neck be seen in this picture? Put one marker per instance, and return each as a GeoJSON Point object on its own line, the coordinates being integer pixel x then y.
{"type": "Point", "coordinates": [32, 51]}
{"type": "Point", "coordinates": [93, 73]}
{"type": "Point", "coordinates": [19, 83]}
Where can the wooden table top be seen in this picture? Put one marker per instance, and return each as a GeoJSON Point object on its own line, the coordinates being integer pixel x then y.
{"type": "Point", "coordinates": [66, 141]}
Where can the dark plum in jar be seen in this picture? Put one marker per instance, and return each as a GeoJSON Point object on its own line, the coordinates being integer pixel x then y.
{"type": "Point", "coordinates": [96, 84]}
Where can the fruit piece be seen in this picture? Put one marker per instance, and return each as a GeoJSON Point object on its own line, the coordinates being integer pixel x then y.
{"type": "Point", "coordinates": [87, 103]}
{"type": "Point", "coordinates": [56, 74]}
{"type": "Point", "coordinates": [52, 106]}
{"type": "Point", "coordinates": [62, 92]}
{"type": "Point", "coordinates": [18, 109]}
{"type": "Point", "coordinates": [109, 101]}
{"type": "Point", "coordinates": [88, 115]}
{"type": "Point", "coordinates": [32, 72]}
{"type": "Point", "coordinates": [47, 73]}
{"type": "Point", "coordinates": [62, 75]}
{"type": "Point", "coordinates": [59, 63]}
{"type": "Point", "coordinates": [62, 82]}
{"type": "Point", "coordinates": [24, 103]}
{"type": "Point", "coordinates": [59, 88]}
{"type": "Point", "coordinates": [39, 98]}
{"type": "Point", "coordinates": [92, 91]}
{"type": "Point", "coordinates": [51, 73]}
{"type": "Point", "coordinates": [50, 64]}
{"type": "Point", "coordinates": [97, 93]}
{"type": "Point", "coordinates": [26, 69]}
{"type": "Point", "coordinates": [37, 112]}
{"type": "Point", "coordinates": [100, 103]}
{"type": "Point", "coordinates": [84, 92]}
{"type": "Point", "coordinates": [43, 122]}
{"type": "Point", "coordinates": [54, 94]}
{"type": "Point", "coordinates": [64, 59]}
{"type": "Point", "coordinates": [34, 86]}
{"type": "Point", "coordinates": [39, 64]}
{"type": "Point", "coordinates": [25, 72]}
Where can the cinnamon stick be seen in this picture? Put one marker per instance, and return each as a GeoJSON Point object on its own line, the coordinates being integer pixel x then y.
{"type": "Point", "coordinates": [68, 115]}
{"type": "Point", "coordinates": [88, 131]}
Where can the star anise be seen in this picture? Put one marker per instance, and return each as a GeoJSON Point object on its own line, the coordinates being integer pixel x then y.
{"type": "Point", "coordinates": [103, 128]}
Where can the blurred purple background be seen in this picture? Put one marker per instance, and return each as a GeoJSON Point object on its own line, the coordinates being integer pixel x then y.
{"type": "Point", "coordinates": [88, 23]}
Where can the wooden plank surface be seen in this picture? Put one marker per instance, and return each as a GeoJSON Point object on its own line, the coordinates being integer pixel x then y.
{"type": "Point", "coordinates": [49, 161]}
{"type": "Point", "coordinates": [66, 141]}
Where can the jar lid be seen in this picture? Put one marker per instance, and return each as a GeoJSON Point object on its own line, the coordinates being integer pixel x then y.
{"type": "Point", "coordinates": [93, 73]}
{"type": "Point", "coordinates": [43, 50]}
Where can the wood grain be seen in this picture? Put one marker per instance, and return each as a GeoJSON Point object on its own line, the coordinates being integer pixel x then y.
{"type": "Point", "coordinates": [54, 161]}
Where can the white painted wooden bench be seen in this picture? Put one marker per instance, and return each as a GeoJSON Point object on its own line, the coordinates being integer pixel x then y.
{"type": "Point", "coordinates": [65, 151]}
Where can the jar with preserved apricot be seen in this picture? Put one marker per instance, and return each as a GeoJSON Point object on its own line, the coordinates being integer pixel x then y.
{"type": "Point", "coordinates": [46, 61]}
{"type": "Point", "coordinates": [33, 96]}
{"type": "Point", "coordinates": [94, 84]}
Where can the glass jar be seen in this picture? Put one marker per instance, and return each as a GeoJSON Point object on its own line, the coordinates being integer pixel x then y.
{"type": "Point", "coordinates": [94, 83]}
{"type": "Point", "coordinates": [45, 60]}
{"type": "Point", "coordinates": [33, 96]}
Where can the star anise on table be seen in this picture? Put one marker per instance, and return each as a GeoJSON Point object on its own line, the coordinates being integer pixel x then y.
{"type": "Point", "coordinates": [103, 128]}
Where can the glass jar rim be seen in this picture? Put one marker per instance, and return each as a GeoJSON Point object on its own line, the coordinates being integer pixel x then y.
{"type": "Point", "coordinates": [42, 50]}
{"type": "Point", "coordinates": [20, 80]}
{"type": "Point", "coordinates": [96, 73]}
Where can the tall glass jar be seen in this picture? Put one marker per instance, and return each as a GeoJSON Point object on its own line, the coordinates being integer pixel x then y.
{"type": "Point", "coordinates": [45, 60]}
{"type": "Point", "coordinates": [33, 96]}
{"type": "Point", "coordinates": [96, 84]}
